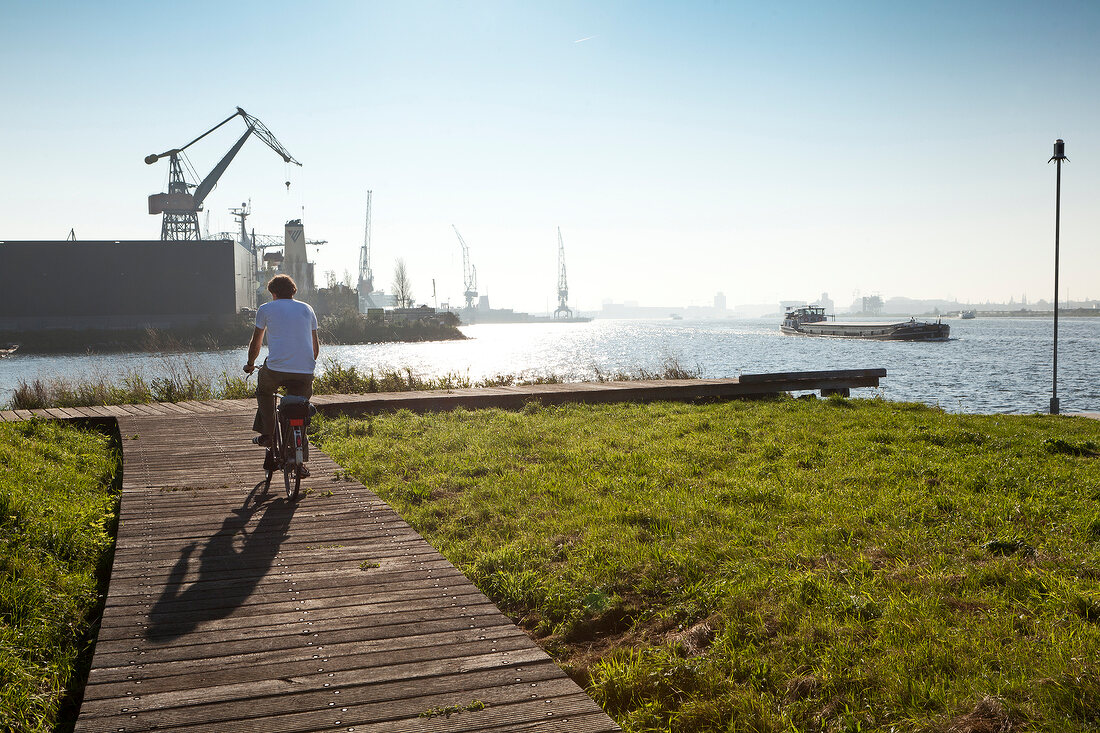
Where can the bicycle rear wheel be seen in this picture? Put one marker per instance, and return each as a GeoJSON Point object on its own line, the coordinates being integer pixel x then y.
{"type": "Point", "coordinates": [292, 480]}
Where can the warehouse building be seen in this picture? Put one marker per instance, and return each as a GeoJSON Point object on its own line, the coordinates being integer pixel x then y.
{"type": "Point", "coordinates": [122, 284]}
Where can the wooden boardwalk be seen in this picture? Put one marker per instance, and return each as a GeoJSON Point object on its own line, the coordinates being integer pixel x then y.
{"type": "Point", "coordinates": [231, 609]}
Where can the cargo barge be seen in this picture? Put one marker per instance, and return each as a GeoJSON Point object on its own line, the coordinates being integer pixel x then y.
{"type": "Point", "coordinates": [811, 321]}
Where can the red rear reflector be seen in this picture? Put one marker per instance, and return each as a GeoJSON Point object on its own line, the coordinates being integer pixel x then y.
{"type": "Point", "coordinates": [297, 423]}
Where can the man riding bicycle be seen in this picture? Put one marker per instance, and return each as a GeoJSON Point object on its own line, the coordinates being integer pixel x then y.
{"type": "Point", "coordinates": [292, 349]}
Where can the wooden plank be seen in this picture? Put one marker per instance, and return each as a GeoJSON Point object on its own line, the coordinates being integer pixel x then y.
{"type": "Point", "coordinates": [343, 657]}
{"type": "Point", "coordinates": [131, 410]}
{"type": "Point", "coordinates": [170, 643]}
{"type": "Point", "coordinates": [9, 416]}
{"type": "Point", "coordinates": [196, 406]}
{"type": "Point", "coordinates": [289, 707]}
{"type": "Point", "coordinates": [188, 409]}
{"type": "Point", "coordinates": [387, 602]}
{"type": "Point", "coordinates": [435, 632]}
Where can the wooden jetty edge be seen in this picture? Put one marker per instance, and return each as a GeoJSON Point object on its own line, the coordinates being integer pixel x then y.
{"type": "Point", "coordinates": [837, 381]}
{"type": "Point", "coordinates": [231, 609]}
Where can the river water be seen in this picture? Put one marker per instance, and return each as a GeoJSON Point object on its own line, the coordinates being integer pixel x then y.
{"type": "Point", "coordinates": [990, 365]}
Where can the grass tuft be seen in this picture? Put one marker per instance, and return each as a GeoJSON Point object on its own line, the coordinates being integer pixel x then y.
{"type": "Point", "coordinates": [179, 381]}
{"type": "Point", "coordinates": [670, 369]}
{"type": "Point", "coordinates": [1008, 547]}
{"type": "Point", "coordinates": [1071, 448]}
{"type": "Point", "coordinates": [447, 711]}
{"type": "Point", "coordinates": [1092, 530]}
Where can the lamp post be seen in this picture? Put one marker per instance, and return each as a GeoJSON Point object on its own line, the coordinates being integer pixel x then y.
{"type": "Point", "coordinates": [1058, 157]}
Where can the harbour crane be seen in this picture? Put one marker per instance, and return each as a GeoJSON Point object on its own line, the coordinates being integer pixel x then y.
{"type": "Point", "coordinates": [366, 277]}
{"type": "Point", "coordinates": [469, 272]}
{"type": "Point", "coordinates": [180, 205]}
{"type": "Point", "coordinates": [563, 286]}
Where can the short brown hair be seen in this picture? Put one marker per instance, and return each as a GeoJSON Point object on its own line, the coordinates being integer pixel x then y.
{"type": "Point", "coordinates": [282, 286]}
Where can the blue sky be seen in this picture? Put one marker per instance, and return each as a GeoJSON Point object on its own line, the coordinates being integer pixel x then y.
{"type": "Point", "coordinates": [767, 150]}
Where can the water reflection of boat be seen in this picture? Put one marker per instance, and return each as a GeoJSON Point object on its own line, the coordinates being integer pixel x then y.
{"type": "Point", "coordinates": [8, 349]}
{"type": "Point", "coordinates": [811, 321]}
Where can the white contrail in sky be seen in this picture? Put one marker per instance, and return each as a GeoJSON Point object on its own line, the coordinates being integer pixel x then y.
{"type": "Point", "coordinates": [582, 40]}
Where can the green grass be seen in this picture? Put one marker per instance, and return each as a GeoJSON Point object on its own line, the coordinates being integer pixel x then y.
{"type": "Point", "coordinates": [57, 511]}
{"type": "Point", "coordinates": [817, 565]}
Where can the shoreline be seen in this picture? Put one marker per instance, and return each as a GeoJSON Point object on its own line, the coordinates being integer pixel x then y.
{"type": "Point", "coordinates": [209, 337]}
{"type": "Point", "coordinates": [1067, 313]}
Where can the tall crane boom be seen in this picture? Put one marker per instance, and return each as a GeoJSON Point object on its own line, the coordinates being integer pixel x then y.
{"type": "Point", "coordinates": [563, 286]}
{"type": "Point", "coordinates": [179, 206]}
{"type": "Point", "coordinates": [366, 277]}
{"type": "Point", "coordinates": [469, 273]}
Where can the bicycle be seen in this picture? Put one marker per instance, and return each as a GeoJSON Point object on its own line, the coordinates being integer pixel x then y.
{"type": "Point", "coordinates": [289, 450]}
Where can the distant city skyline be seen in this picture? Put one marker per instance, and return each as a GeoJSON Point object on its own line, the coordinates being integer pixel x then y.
{"type": "Point", "coordinates": [767, 151]}
{"type": "Point", "coordinates": [923, 304]}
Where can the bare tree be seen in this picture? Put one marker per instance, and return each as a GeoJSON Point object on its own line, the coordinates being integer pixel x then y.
{"type": "Point", "coordinates": [402, 288]}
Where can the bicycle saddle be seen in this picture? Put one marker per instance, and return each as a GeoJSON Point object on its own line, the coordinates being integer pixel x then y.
{"type": "Point", "coordinates": [291, 401]}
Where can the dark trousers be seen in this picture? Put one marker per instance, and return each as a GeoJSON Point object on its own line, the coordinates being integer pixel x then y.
{"type": "Point", "coordinates": [267, 381]}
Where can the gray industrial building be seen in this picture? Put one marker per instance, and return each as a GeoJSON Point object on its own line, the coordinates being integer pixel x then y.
{"type": "Point", "coordinates": [125, 284]}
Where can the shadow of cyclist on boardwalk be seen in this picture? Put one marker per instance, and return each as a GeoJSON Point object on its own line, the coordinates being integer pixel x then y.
{"type": "Point", "coordinates": [228, 572]}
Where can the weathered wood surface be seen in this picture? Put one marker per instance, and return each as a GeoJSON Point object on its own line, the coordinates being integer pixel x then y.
{"type": "Point", "coordinates": [651, 390]}
{"type": "Point", "coordinates": [231, 609]}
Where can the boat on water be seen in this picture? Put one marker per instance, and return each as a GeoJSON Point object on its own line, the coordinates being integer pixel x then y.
{"type": "Point", "coordinates": [967, 315]}
{"type": "Point", "coordinates": [810, 320]}
{"type": "Point", "coordinates": [8, 349]}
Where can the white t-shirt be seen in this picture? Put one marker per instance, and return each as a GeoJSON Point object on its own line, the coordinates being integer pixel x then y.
{"type": "Point", "coordinates": [290, 325]}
